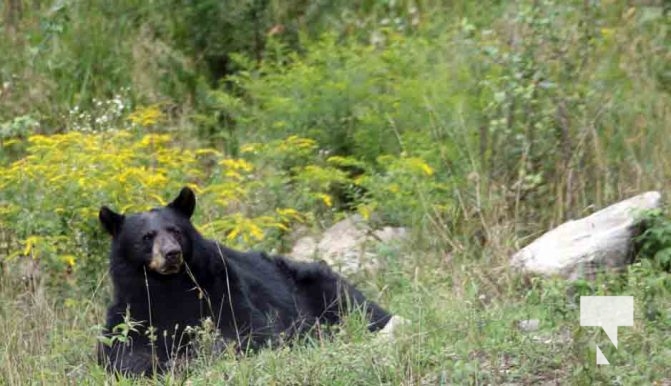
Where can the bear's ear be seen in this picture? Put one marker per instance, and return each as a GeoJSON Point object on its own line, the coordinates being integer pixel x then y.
{"type": "Point", "coordinates": [111, 220]}
{"type": "Point", "coordinates": [185, 203]}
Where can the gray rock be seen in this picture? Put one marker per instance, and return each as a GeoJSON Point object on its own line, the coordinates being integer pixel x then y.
{"type": "Point", "coordinates": [348, 246]}
{"type": "Point", "coordinates": [579, 248]}
{"type": "Point", "coordinates": [304, 249]}
{"type": "Point", "coordinates": [529, 325]}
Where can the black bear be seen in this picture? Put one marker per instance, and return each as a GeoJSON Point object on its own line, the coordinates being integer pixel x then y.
{"type": "Point", "coordinates": [167, 276]}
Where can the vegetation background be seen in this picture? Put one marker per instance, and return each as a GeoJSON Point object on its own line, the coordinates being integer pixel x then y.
{"type": "Point", "coordinates": [478, 125]}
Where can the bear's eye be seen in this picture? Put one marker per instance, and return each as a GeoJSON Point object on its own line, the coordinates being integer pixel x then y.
{"type": "Point", "coordinates": [174, 231]}
{"type": "Point", "coordinates": [148, 236]}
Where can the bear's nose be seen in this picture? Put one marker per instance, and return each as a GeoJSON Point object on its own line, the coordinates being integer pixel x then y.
{"type": "Point", "coordinates": [173, 256]}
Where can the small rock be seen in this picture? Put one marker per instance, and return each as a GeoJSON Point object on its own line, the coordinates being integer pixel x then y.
{"type": "Point", "coordinates": [529, 325]}
{"type": "Point", "coordinates": [393, 326]}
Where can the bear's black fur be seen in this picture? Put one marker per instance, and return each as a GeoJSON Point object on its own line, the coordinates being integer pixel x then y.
{"type": "Point", "coordinates": [166, 275]}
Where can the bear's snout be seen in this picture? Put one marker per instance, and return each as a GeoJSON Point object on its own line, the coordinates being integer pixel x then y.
{"type": "Point", "coordinates": [173, 257]}
{"type": "Point", "coordinates": [166, 255]}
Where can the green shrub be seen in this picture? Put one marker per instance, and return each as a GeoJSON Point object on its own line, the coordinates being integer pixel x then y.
{"type": "Point", "coordinates": [654, 243]}
{"type": "Point", "coordinates": [49, 199]}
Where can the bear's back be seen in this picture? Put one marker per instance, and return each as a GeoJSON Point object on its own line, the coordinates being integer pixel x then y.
{"type": "Point", "coordinates": [258, 277]}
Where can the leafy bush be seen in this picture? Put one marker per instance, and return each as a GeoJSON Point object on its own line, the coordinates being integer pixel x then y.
{"type": "Point", "coordinates": [550, 105]}
{"type": "Point", "coordinates": [654, 243]}
{"type": "Point", "coordinates": [50, 197]}
{"type": "Point", "coordinates": [523, 103]}
{"type": "Point", "coordinates": [344, 96]}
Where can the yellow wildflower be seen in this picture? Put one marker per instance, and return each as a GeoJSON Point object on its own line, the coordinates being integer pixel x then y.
{"type": "Point", "coordinates": [364, 211]}
{"type": "Point", "coordinates": [208, 152]}
{"type": "Point", "coordinates": [30, 244]}
{"type": "Point", "coordinates": [147, 116]}
{"type": "Point", "coordinates": [236, 164]}
{"type": "Point", "coordinates": [607, 32]}
{"type": "Point", "coordinates": [69, 260]}
{"type": "Point", "coordinates": [9, 142]}
{"type": "Point", "coordinates": [420, 164]}
{"type": "Point", "coordinates": [256, 231]}
{"type": "Point", "coordinates": [326, 199]}
{"type": "Point", "coordinates": [288, 214]}
{"type": "Point", "coordinates": [154, 140]}
{"type": "Point", "coordinates": [250, 148]}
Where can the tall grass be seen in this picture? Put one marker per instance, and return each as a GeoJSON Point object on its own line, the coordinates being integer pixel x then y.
{"type": "Point", "coordinates": [479, 126]}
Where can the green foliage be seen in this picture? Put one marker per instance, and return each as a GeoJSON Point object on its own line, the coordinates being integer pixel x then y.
{"type": "Point", "coordinates": [49, 199]}
{"type": "Point", "coordinates": [522, 103]}
{"type": "Point", "coordinates": [654, 242]}
{"type": "Point", "coordinates": [354, 99]}
{"type": "Point", "coordinates": [406, 192]}
{"type": "Point", "coordinates": [211, 30]}
{"type": "Point", "coordinates": [465, 121]}
{"type": "Point", "coordinates": [120, 332]}
{"type": "Point", "coordinates": [537, 82]}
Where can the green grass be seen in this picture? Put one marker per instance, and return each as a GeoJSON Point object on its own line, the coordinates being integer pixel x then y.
{"type": "Point", "coordinates": [464, 331]}
{"type": "Point", "coordinates": [526, 113]}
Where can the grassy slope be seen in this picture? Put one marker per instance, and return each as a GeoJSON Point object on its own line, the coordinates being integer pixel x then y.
{"type": "Point", "coordinates": [461, 299]}
{"type": "Point", "coordinates": [463, 332]}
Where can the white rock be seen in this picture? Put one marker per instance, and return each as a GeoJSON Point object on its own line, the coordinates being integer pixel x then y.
{"type": "Point", "coordinates": [392, 327]}
{"type": "Point", "coordinates": [529, 325]}
{"type": "Point", "coordinates": [580, 247]}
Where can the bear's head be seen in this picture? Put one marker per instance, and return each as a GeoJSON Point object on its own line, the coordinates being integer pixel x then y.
{"type": "Point", "coordinates": [160, 239]}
